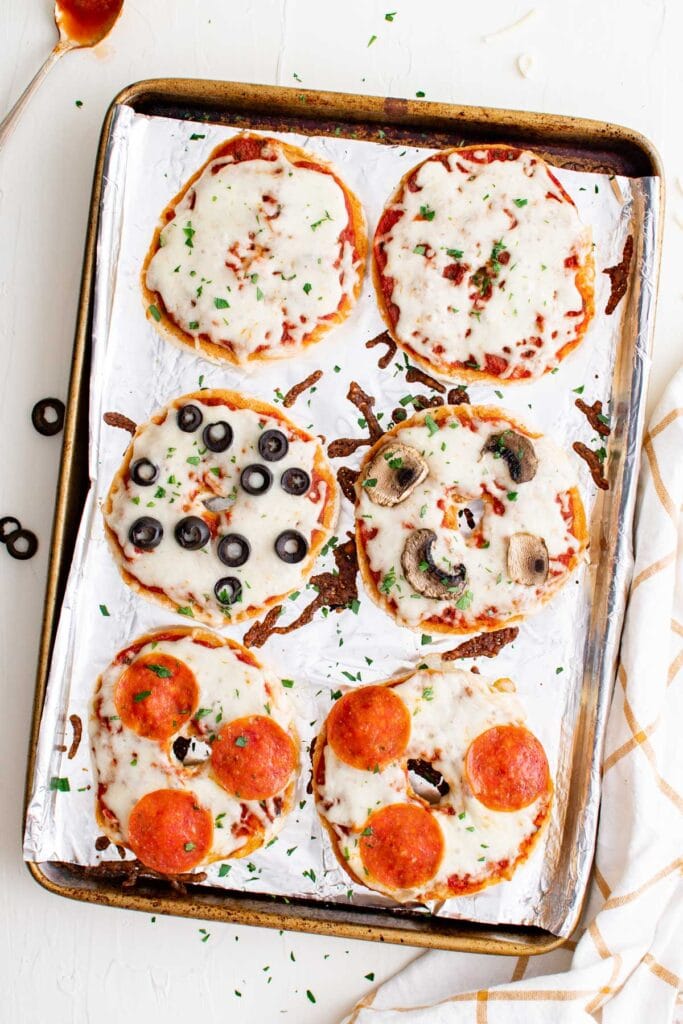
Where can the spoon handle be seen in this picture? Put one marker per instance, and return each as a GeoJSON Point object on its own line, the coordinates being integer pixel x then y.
{"type": "Point", "coordinates": [10, 121]}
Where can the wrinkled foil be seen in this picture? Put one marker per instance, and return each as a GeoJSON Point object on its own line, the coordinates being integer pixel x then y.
{"type": "Point", "coordinates": [563, 661]}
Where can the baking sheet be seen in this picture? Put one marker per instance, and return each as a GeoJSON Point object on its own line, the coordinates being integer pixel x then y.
{"type": "Point", "coordinates": [135, 371]}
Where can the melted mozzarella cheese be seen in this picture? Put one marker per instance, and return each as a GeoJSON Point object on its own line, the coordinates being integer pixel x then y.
{"type": "Point", "coordinates": [252, 258]}
{"type": "Point", "coordinates": [457, 473]}
{"type": "Point", "coordinates": [469, 214]}
{"type": "Point", "coordinates": [448, 711]}
{"type": "Point", "coordinates": [129, 766]}
{"type": "Point", "coordinates": [189, 475]}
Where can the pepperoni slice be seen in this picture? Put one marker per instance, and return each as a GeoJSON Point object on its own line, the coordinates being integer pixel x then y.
{"type": "Point", "coordinates": [506, 768]}
{"type": "Point", "coordinates": [156, 695]}
{"type": "Point", "coordinates": [401, 846]}
{"type": "Point", "coordinates": [169, 831]}
{"type": "Point", "coordinates": [369, 727]}
{"type": "Point", "coordinates": [253, 758]}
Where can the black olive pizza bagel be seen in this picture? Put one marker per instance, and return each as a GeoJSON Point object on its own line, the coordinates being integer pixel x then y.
{"type": "Point", "coordinates": [221, 507]}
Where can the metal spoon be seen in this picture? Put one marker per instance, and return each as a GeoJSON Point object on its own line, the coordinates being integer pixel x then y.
{"type": "Point", "coordinates": [81, 23]}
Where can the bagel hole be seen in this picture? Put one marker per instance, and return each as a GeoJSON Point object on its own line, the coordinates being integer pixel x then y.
{"type": "Point", "coordinates": [469, 516]}
{"type": "Point", "coordinates": [427, 781]}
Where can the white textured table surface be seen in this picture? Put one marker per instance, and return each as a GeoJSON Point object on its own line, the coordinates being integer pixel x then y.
{"type": "Point", "coordinates": [618, 60]}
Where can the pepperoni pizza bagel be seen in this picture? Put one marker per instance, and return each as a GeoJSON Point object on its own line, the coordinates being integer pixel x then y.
{"type": "Point", "coordinates": [195, 751]}
{"type": "Point", "coordinates": [259, 254]}
{"type": "Point", "coordinates": [221, 506]}
{"type": "Point", "coordinates": [431, 786]}
{"type": "Point", "coordinates": [466, 520]}
{"type": "Point", "coordinates": [482, 268]}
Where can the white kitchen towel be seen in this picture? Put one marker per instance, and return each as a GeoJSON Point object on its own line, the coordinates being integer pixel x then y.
{"type": "Point", "coordinates": [624, 963]}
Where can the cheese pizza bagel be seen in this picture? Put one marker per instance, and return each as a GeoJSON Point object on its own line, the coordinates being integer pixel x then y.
{"type": "Point", "coordinates": [259, 254]}
{"type": "Point", "coordinates": [431, 786]}
{"type": "Point", "coordinates": [482, 268]}
{"type": "Point", "coordinates": [221, 507]}
{"type": "Point", "coordinates": [195, 751]}
{"type": "Point", "coordinates": [466, 520]}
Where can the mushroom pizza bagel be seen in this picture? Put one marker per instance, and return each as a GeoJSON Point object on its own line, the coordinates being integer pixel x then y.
{"type": "Point", "coordinates": [466, 520]}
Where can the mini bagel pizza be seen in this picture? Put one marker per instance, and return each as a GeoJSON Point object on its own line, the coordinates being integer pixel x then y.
{"type": "Point", "coordinates": [195, 751]}
{"type": "Point", "coordinates": [221, 506]}
{"type": "Point", "coordinates": [482, 267]}
{"type": "Point", "coordinates": [466, 520]}
{"type": "Point", "coordinates": [431, 786]}
{"type": "Point", "coordinates": [259, 254]}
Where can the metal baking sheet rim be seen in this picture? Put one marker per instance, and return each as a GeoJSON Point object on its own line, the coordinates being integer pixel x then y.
{"type": "Point", "coordinates": [375, 925]}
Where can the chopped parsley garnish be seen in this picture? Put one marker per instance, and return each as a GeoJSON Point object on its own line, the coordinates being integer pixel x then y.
{"type": "Point", "coordinates": [160, 670]}
{"type": "Point", "coordinates": [310, 996]}
{"type": "Point", "coordinates": [427, 213]}
{"type": "Point", "coordinates": [316, 224]}
{"type": "Point", "coordinates": [241, 741]}
{"type": "Point", "coordinates": [195, 136]}
{"type": "Point", "coordinates": [186, 610]}
{"type": "Point", "coordinates": [189, 847]}
{"type": "Point", "coordinates": [463, 602]}
{"type": "Point", "coordinates": [426, 639]}
{"type": "Point", "coordinates": [370, 482]}
{"type": "Point", "coordinates": [104, 611]}
{"type": "Point", "coordinates": [189, 233]}
{"type": "Point", "coordinates": [155, 313]}
{"type": "Point", "coordinates": [579, 390]}
{"type": "Point", "coordinates": [60, 785]}
{"type": "Point", "coordinates": [388, 581]}
{"type": "Point", "coordinates": [512, 495]}
{"type": "Point", "coordinates": [371, 40]}
{"type": "Point", "coordinates": [420, 250]}
{"type": "Point", "coordinates": [193, 325]}
{"type": "Point", "coordinates": [223, 870]}
{"type": "Point", "coordinates": [431, 425]}
{"type": "Point", "coordinates": [420, 94]}
{"type": "Point", "coordinates": [142, 695]}
{"type": "Point", "coordinates": [428, 693]}
{"type": "Point", "coordinates": [455, 254]}
{"type": "Point", "coordinates": [307, 288]}
{"type": "Point", "coordinates": [221, 303]}
{"type": "Point", "coordinates": [259, 294]}
{"type": "Point", "coordinates": [287, 683]}
{"type": "Point", "coordinates": [193, 460]}
{"type": "Point", "coordinates": [390, 15]}
{"type": "Point", "coordinates": [519, 203]}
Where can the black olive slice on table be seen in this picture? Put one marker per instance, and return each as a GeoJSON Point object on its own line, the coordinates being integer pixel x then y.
{"type": "Point", "coordinates": [143, 472]}
{"type": "Point", "coordinates": [295, 481]}
{"type": "Point", "coordinates": [217, 436]}
{"type": "Point", "coordinates": [234, 550]}
{"type": "Point", "coordinates": [189, 418]}
{"type": "Point", "coordinates": [256, 479]}
{"type": "Point", "coordinates": [146, 533]}
{"type": "Point", "coordinates": [273, 445]}
{"type": "Point", "coordinates": [22, 544]}
{"type": "Point", "coordinates": [291, 547]}
{"type": "Point", "coordinates": [47, 416]}
{"type": "Point", "coordinates": [192, 533]}
{"type": "Point", "coordinates": [8, 526]}
{"type": "Point", "coordinates": [228, 590]}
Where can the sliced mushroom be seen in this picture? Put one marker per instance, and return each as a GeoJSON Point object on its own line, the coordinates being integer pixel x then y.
{"type": "Point", "coordinates": [518, 453]}
{"type": "Point", "coordinates": [423, 575]}
{"type": "Point", "coordinates": [394, 473]}
{"type": "Point", "coordinates": [527, 559]}
{"type": "Point", "coordinates": [218, 503]}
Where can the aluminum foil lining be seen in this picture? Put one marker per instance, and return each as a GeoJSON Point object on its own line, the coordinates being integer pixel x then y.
{"type": "Point", "coordinates": [564, 658]}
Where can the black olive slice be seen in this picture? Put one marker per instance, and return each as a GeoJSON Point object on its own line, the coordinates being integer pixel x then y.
{"type": "Point", "coordinates": [234, 550]}
{"type": "Point", "coordinates": [228, 590]}
{"type": "Point", "coordinates": [217, 436]}
{"type": "Point", "coordinates": [181, 745]}
{"type": "Point", "coordinates": [295, 481]}
{"type": "Point", "coordinates": [192, 533]}
{"type": "Point", "coordinates": [291, 547]}
{"type": "Point", "coordinates": [22, 544]}
{"type": "Point", "coordinates": [189, 418]}
{"type": "Point", "coordinates": [273, 445]}
{"type": "Point", "coordinates": [47, 416]}
{"type": "Point", "coordinates": [143, 472]}
{"type": "Point", "coordinates": [8, 526]}
{"type": "Point", "coordinates": [256, 479]}
{"type": "Point", "coordinates": [146, 533]}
